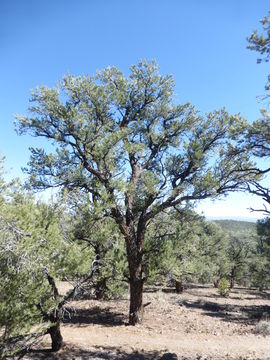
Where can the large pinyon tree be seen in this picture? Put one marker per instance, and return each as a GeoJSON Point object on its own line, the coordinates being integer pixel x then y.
{"type": "Point", "coordinates": [124, 141]}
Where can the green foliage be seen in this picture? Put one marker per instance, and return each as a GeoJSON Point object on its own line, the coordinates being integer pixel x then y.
{"type": "Point", "coordinates": [223, 287]}
{"type": "Point", "coordinates": [136, 153]}
{"type": "Point", "coordinates": [263, 230]}
{"type": "Point", "coordinates": [168, 247]}
{"type": "Point", "coordinates": [107, 126]}
{"type": "Point", "coordinates": [261, 42]}
{"type": "Point", "coordinates": [241, 250]}
{"type": "Point", "coordinates": [261, 265]}
{"type": "Point", "coordinates": [256, 138]}
{"type": "Point", "coordinates": [236, 226]}
{"type": "Point", "coordinates": [213, 260]}
{"type": "Point", "coordinates": [91, 229]}
{"type": "Point", "coordinates": [182, 246]}
{"type": "Point", "coordinates": [22, 279]}
{"type": "Point", "coordinates": [248, 252]}
{"type": "Point", "coordinates": [111, 280]}
{"type": "Point", "coordinates": [33, 247]}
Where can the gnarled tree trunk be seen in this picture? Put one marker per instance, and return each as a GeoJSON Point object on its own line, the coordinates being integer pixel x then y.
{"type": "Point", "coordinates": [136, 301]}
{"type": "Point", "coordinates": [56, 337]}
{"type": "Point", "coordinates": [55, 318]}
{"type": "Point", "coordinates": [134, 254]}
{"type": "Point", "coordinates": [100, 289]}
{"type": "Point", "coordinates": [179, 286]}
{"type": "Point", "coordinates": [232, 277]}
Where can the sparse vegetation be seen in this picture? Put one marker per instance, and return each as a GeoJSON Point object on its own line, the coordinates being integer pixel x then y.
{"type": "Point", "coordinates": [224, 288]}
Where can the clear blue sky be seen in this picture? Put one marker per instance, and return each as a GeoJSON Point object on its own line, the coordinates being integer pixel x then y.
{"type": "Point", "coordinates": [201, 43]}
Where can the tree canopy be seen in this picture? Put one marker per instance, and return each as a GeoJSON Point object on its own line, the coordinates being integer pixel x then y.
{"type": "Point", "coordinates": [257, 135]}
{"type": "Point", "coordinates": [124, 141]}
{"type": "Point", "coordinates": [261, 42]}
{"type": "Point", "coordinates": [124, 135]}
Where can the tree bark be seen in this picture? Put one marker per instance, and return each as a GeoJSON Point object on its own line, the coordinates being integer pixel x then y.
{"type": "Point", "coordinates": [179, 286]}
{"type": "Point", "coordinates": [56, 337]}
{"type": "Point", "coordinates": [136, 301]}
{"type": "Point", "coordinates": [232, 279]}
{"type": "Point", "coordinates": [100, 289]}
{"type": "Point", "coordinates": [134, 255]}
{"type": "Point", "coordinates": [55, 318]}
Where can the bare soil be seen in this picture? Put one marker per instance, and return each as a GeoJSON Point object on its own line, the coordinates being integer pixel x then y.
{"type": "Point", "coordinates": [198, 324]}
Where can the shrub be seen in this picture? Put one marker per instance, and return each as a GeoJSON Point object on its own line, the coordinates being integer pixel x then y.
{"type": "Point", "coordinates": [223, 287]}
{"type": "Point", "coordinates": [263, 327]}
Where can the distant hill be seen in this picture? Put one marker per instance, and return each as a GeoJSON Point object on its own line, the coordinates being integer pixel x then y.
{"type": "Point", "coordinates": [235, 218]}
{"type": "Point", "coordinates": [236, 226]}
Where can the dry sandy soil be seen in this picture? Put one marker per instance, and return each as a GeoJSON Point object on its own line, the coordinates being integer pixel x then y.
{"type": "Point", "coordinates": [197, 324]}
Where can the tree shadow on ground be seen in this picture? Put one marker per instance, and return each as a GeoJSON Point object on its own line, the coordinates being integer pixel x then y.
{"type": "Point", "coordinates": [167, 290]}
{"type": "Point", "coordinates": [237, 294]}
{"type": "Point", "coordinates": [110, 352]}
{"type": "Point", "coordinates": [230, 312]}
{"type": "Point", "coordinates": [256, 294]}
{"type": "Point", "coordinates": [151, 289]}
{"type": "Point", "coordinates": [154, 289]}
{"type": "Point", "coordinates": [96, 315]}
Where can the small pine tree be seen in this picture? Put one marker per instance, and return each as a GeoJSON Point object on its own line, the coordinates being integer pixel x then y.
{"type": "Point", "coordinates": [224, 288]}
{"type": "Point", "coordinates": [34, 255]}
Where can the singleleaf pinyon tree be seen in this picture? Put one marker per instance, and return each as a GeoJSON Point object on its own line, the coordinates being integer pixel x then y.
{"type": "Point", "coordinates": [35, 254]}
{"type": "Point", "coordinates": [124, 141]}
{"type": "Point", "coordinates": [257, 135]}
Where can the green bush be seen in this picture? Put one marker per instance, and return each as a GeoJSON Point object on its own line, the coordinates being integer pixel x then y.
{"type": "Point", "coordinates": [223, 287]}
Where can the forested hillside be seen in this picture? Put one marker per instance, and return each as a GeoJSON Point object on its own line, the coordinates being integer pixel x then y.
{"type": "Point", "coordinates": [237, 226]}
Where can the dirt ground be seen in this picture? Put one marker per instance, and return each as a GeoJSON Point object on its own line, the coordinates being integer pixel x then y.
{"type": "Point", "coordinates": [197, 324]}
